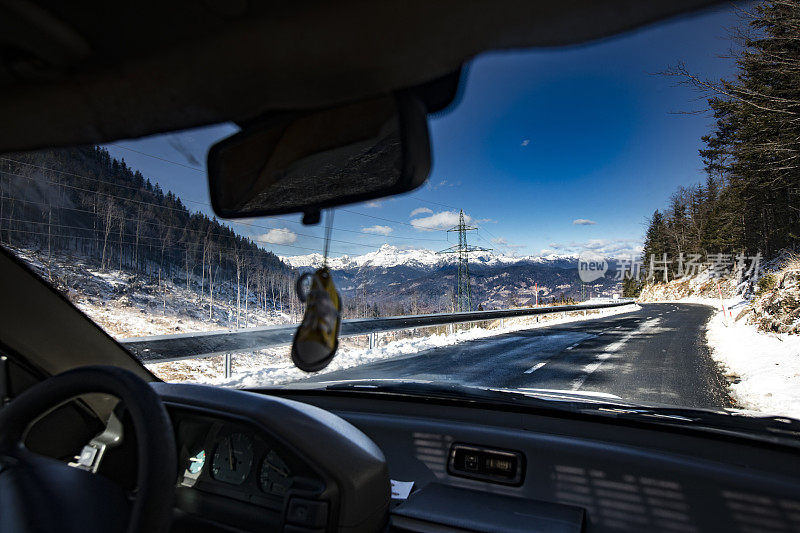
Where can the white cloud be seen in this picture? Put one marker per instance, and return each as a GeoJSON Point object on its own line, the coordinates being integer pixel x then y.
{"type": "Point", "coordinates": [525, 142]}
{"type": "Point", "coordinates": [374, 203]}
{"type": "Point", "coordinates": [378, 230]}
{"type": "Point", "coordinates": [441, 183]}
{"type": "Point", "coordinates": [500, 241]}
{"type": "Point", "coordinates": [583, 222]}
{"type": "Point", "coordinates": [277, 236]}
{"type": "Point", "coordinates": [420, 211]}
{"type": "Point", "coordinates": [609, 248]}
{"type": "Point", "coordinates": [441, 220]}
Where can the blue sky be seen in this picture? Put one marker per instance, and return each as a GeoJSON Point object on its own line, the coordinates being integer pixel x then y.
{"type": "Point", "coordinates": [548, 151]}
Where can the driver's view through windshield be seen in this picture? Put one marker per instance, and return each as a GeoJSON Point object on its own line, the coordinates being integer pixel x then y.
{"type": "Point", "coordinates": [629, 207]}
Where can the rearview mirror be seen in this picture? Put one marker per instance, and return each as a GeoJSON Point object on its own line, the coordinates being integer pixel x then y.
{"type": "Point", "coordinates": [306, 161]}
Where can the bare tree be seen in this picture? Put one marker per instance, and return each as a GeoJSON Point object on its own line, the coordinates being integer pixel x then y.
{"type": "Point", "coordinates": [212, 271]}
{"type": "Point", "coordinates": [137, 234]}
{"type": "Point", "coordinates": [189, 256]}
{"type": "Point", "coordinates": [121, 225]}
{"type": "Point", "coordinates": [237, 257]}
{"type": "Point", "coordinates": [247, 272]}
{"type": "Point", "coordinates": [167, 237]}
{"type": "Point", "coordinates": [107, 210]}
{"type": "Point", "coordinates": [206, 247]}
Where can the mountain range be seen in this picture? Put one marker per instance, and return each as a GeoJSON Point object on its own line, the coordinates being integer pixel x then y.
{"type": "Point", "coordinates": [420, 280]}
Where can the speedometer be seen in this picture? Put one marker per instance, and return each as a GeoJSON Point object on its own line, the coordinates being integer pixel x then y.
{"type": "Point", "coordinates": [232, 459]}
{"type": "Point", "coordinates": [275, 477]}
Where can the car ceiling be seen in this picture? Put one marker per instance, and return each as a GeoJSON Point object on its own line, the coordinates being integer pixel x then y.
{"type": "Point", "coordinates": [89, 71]}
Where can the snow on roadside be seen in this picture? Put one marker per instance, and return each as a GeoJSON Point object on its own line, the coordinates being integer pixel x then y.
{"type": "Point", "coordinates": [274, 366]}
{"type": "Point", "coordinates": [763, 368]}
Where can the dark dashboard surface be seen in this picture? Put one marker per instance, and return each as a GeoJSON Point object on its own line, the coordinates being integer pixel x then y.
{"type": "Point", "coordinates": [472, 468]}
{"type": "Point", "coordinates": [623, 478]}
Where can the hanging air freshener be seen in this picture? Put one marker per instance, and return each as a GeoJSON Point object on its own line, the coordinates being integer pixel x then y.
{"type": "Point", "coordinates": [317, 337]}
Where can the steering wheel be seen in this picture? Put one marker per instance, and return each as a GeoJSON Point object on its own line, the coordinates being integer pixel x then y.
{"type": "Point", "coordinates": [40, 494]}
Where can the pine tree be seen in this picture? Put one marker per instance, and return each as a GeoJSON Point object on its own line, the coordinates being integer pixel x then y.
{"type": "Point", "coordinates": [656, 242]}
{"type": "Point", "coordinates": [751, 201]}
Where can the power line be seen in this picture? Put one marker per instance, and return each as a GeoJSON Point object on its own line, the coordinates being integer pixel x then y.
{"type": "Point", "coordinates": [159, 225]}
{"type": "Point", "coordinates": [182, 211]}
{"type": "Point", "coordinates": [118, 218]}
{"type": "Point", "coordinates": [112, 235]}
{"type": "Point", "coordinates": [295, 222]}
{"type": "Point", "coordinates": [376, 217]}
{"type": "Point", "coordinates": [346, 230]}
{"type": "Point", "coordinates": [279, 218]}
{"type": "Point", "coordinates": [495, 241]}
{"type": "Point", "coordinates": [431, 202]}
{"type": "Point", "coordinates": [205, 204]}
{"type": "Point", "coordinates": [157, 157]}
{"type": "Point", "coordinates": [135, 188]}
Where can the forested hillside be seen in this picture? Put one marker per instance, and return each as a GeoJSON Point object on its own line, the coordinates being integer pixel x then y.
{"type": "Point", "coordinates": [750, 201]}
{"type": "Point", "coordinates": [81, 202]}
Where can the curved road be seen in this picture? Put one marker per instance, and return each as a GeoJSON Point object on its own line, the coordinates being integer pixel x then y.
{"type": "Point", "coordinates": [657, 354]}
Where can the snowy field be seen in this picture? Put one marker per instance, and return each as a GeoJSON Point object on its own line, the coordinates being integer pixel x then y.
{"type": "Point", "coordinates": [269, 367]}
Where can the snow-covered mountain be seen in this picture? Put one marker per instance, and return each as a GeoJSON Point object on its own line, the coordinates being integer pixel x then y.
{"type": "Point", "coordinates": [401, 280]}
{"type": "Point", "coordinates": [392, 256]}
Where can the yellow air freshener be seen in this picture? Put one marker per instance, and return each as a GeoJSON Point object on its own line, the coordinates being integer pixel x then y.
{"type": "Point", "coordinates": [317, 337]}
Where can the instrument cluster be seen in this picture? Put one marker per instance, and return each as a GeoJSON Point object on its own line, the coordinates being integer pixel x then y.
{"type": "Point", "coordinates": [229, 459]}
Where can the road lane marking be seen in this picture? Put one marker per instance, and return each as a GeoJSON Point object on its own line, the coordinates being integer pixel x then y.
{"type": "Point", "coordinates": [589, 368]}
{"type": "Point", "coordinates": [535, 367]}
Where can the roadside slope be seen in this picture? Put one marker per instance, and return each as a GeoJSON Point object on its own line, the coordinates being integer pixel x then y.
{"type": "Point", "coordinates": [756, 340]}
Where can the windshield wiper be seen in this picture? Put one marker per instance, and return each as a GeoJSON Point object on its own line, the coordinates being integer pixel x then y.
{"type": "Point", "coordinates": [550, 400]}
{"type": "Point", "coordinates": [770, 428]}
{"type": "Point", "coordinates": [438, 390]}
{"type": "Point", "coordinates": [779, 430]}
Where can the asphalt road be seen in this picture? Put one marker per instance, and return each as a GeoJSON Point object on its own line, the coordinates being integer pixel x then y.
{"type": "Point", "coordinates": [657, 354]}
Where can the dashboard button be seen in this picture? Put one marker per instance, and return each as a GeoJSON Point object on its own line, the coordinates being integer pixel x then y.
{"type": "Point", "coordinates": [486, 464]}
{"type": "Point", "coordinates": [307, 512]}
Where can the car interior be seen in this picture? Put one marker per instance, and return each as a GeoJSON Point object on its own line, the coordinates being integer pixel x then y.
{"type": "Point", "coordinates": [91, 440]}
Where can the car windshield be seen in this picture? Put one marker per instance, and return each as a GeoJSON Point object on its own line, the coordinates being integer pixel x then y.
{"type": "Point", "coordinates": [631, 203]}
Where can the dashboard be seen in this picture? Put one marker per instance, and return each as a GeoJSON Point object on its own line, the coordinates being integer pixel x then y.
{"type": "Point", "coordinates": [251, 462]}
{"type": "Point", "coordinates": [302, 462]}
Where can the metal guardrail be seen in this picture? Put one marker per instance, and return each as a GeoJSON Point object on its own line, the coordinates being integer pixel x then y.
{"type": "Point", "coordinates": [163, 348]}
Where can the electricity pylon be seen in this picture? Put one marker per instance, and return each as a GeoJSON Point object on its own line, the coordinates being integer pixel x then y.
{"type": "Point", "coordinates": [463, 292]}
